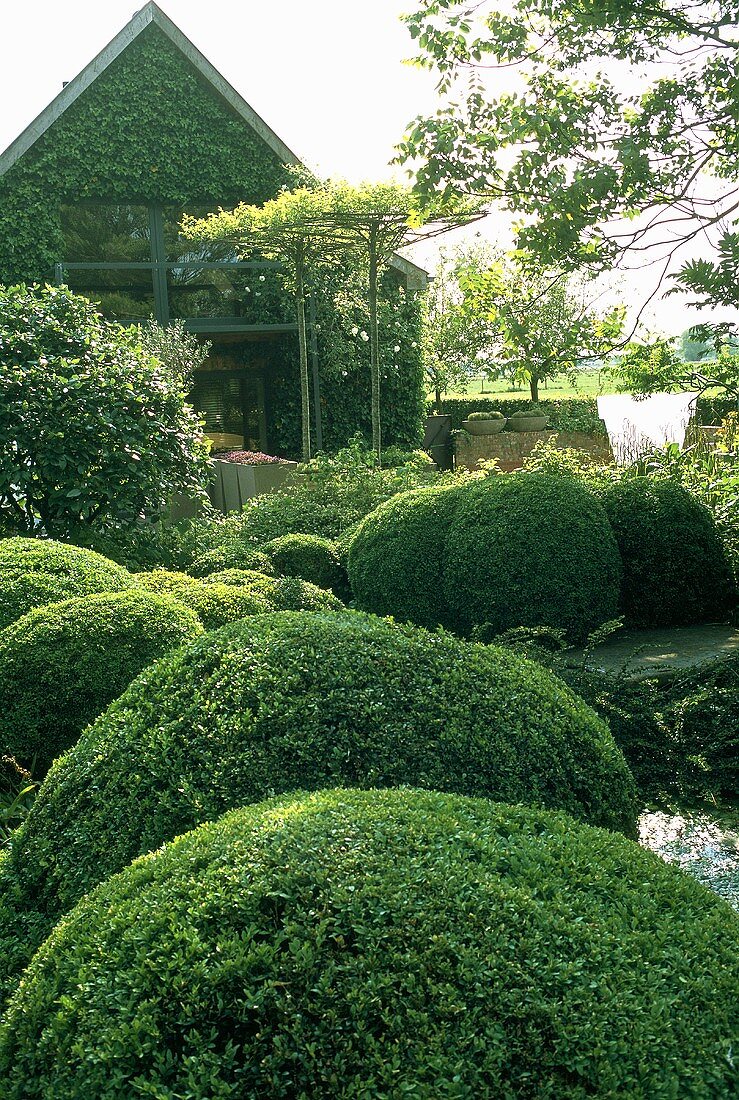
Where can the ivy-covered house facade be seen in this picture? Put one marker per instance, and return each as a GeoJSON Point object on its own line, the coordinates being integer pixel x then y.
{"type": "Point", "coordinates": [92, 194]}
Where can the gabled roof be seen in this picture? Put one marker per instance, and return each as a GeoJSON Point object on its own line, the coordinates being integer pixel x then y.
{"type": "Point", "coordinates": [149, 14]}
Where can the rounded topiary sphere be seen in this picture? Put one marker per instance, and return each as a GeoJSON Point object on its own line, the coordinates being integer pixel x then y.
{"type": "Point", "coordinates": [215, 605]}
{"type": "Point", "coordinates": [61, 665]}
{"type": "Point", "coordinates": [230, 556]}
{"type": "Point", "coordinates": [531, 549]}
{"type": "Point", "coordinates": [300, 700]}
{"type": "Point", "coordinates": [295, 594]}
{"type": "Point", "coordinates": [675, 567]}
{"type": "Point", "coordinates": [396, 557]}
{"type": "Point", "coordinates": [314, 559]}
{"type": "Point", "coordinates": [384, 944]}
{"type": "Point", "coordinates": [41, 571]}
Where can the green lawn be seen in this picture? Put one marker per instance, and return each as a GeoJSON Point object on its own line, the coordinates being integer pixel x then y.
{"type": "Point", "coordinates": [590, 383]}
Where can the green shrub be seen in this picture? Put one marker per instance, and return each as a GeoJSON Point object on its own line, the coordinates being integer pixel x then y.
{"type": "Point", "coordinates": [530, 410]}
{"type": "Point", "coordinates": [295, 594]}
{"type": "Point", "coordinates": [230, 556]}
{"type": "Point", "coordinates": [93, 430]}
{"type": "Point", "coordinates": [396, 557]}
{"type": "Point", "coordinates": [282, 593]}
{"type": "Point", "coordinates": [567, 414]}
{"type": "Point", "coordinates": [703, 713]}
{"type": "Point", "coordinates": [37, 571]}
{"type": "Point", "coordinates": [297, 700]}
{"type": "Point", "coordinates": [675, 568]}
{"type": "Point", "coordinates": [312, 558]}
{"type": "Point", "coordinates": [531, 550]}
{"type": "Point", "coordinates": [90, 648]}
{"type": "Point", "coordinates": [492, 414]}
{"type": "Point", "coordinates": [384, 944]}
{"type": "Point", "coordinates": [249, 578]}
{"type": "Point", "coordinates": [214, 604]}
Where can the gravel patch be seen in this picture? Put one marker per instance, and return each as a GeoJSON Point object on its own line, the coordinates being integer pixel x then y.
{"type": "Point", "coordinates": [703, 845]}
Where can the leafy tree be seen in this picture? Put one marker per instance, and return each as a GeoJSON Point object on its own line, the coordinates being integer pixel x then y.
{"type": "Point", "coordinates": [458, 340]}
{"type": "Point", "coordinates": [607, 110]}
{"type": "Point", "coordinates": [657, 367]}
{"type": "Point", "coordinates": [692, 348]}
{"type": "Point", "coordinates": [545, 322]}
{"type": "Point", "coordinates": [93, 430]}
{"type": "Point", "coordinates": [176, 349]}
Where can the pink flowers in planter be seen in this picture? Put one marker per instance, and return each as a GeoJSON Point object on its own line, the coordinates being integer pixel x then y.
{"type": "Point", "coordinates": [246, 458]}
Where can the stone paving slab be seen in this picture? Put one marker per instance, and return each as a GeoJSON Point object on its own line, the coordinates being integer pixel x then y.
{"type": "Point", "coordinates": [651, 652]}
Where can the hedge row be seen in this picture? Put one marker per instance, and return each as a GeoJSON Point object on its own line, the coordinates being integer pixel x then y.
{"type": "Point", "coordinates": [568, 414]}
{"type": "Point", "coordinates": [573, 414]}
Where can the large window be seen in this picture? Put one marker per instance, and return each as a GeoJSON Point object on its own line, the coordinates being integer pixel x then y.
{"type": "Point", "coordinates": [134, 261]}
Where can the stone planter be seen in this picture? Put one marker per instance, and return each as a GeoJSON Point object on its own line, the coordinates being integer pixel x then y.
{"type": "Point", "coordinates": [527, 423]}
{"type": "Point", "coordinates": [484, 427]}
{"type": "Point", "coordinates": [235, 482]}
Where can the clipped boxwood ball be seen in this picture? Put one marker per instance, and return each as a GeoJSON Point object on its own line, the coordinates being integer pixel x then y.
{"type": "Point", "coordinates": [531, 549]}
{"type": "Point", "coordinates": [676, 571]}
{"type": "Point", "coordinates": [295, 594]}
{"type": "Point", "coordinates": [396, 557]}
{"type": "Point", "coordinates": [61, 665]}
{"type": "Point", "coordinates": [41, 571]}
{"type": "Point", "coordinates": [302, 700]}
{"type": "Point", "coordinates": [314, 559]}
{"type": "Point", "coordinates": [230, 556]}
{"type": "Point", "coordinates": [215, 605]}
{"type": "Point", "coordinates": [381, 944]}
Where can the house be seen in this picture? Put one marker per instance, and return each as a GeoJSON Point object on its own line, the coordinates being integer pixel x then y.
{"type": "Point", "coordinates": [92, 193]}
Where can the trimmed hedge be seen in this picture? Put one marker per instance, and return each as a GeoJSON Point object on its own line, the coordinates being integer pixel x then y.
{"type": "Point", "coordinates": [34, 572]}
{"type": "Point", "coordinates": [307, 556]}
{"type": "Point", "coordinates": [397, 554]}
{"type": "Point", "coordinates": [230, 556]}
{"type": "Point", "coordinates": [215, 605]}
{"type": "Point", "coordinates": [295, 594]}
{"type": "Point", "coordinates": [90, 649]}
{"type": "Point", "coordinates": [384, 944]}
{"type": "Point", "coordinates": [676, 570]}
{"type": "Point", "coordinates": [298, 700]}
{"type": "Point", "coordinates": [568, 414]}
{"type": "Point", "coordinates": [531, 549]}
{"type": "Point", "coordinates": [527, 549]}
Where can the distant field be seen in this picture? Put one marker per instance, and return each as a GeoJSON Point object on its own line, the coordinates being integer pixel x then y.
{"type": "Point", "coordinates": [590, 383]}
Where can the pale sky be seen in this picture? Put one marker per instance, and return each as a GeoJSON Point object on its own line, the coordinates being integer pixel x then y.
{"type": "Point", "coordinates": [326, 75]}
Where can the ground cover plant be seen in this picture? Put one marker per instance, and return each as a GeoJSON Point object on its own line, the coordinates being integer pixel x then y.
{"type": "Point", "coordinates": [298, 700]}
{"type": "Point", "coordinates": [356, 943]}
{"type": "Point", "coordinates": [92, 647]}
{"type": "Point", "coordinates": [40, 571]}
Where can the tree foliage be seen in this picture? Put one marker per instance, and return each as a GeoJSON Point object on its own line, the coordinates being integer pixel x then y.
{"type": "Point", "coordinates": [92, 429]}
{"type": "Point", "coordinates": [546, 323]}
{"type": "Point", "coordinates": [606, 110]}
{"type": "Point", "coordinates": [459, 341]}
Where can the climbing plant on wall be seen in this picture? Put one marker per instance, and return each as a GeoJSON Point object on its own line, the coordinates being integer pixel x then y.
{"type": "Point", "coordinates": [147, 130]}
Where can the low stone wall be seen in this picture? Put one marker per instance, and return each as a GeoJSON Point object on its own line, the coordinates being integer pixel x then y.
{"type": "Point", "coordinates": [511, 448]}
